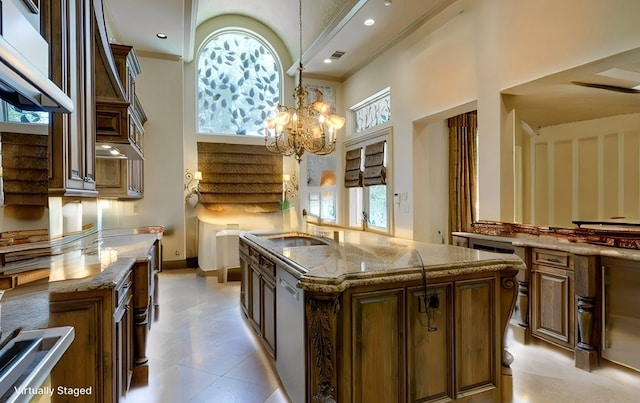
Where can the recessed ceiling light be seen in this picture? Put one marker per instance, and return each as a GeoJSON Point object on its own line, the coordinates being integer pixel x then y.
{"type": "Point", "coordinates": [106, 146]}
{"type": "Point", "coordinates": [369, 22]}
{"type": "Point", "coordinates": [161, 35]}
{"type": "Point", "coordinates": [327, 61]}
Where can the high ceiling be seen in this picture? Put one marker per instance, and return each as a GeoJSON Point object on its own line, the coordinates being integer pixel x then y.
{"type": "Point", "coordinates": [327, 26]}
{"type": "Point", "coordinates": [338, 25]}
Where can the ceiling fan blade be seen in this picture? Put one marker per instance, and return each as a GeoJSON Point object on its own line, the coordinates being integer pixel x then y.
{"type": "Point", "coordinates": [607, 87]}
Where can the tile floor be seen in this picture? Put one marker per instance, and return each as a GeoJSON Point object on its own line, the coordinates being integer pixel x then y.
{"type": "Point", "coordinates": [202, 350]}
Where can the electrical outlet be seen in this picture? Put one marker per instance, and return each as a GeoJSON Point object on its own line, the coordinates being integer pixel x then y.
{"type": "Point", "coordinates": [177, 253]}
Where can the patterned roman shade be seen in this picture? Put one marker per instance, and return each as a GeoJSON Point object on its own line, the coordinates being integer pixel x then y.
{"type": "Point", "coordinates": [239, 175]}
{"type": "Point", "coordinates": [353, 174]}
{"type": "Point", "coordinates": [374, 170]}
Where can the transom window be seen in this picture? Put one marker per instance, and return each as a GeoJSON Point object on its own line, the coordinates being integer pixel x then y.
{"type": "Point", "coordinates": [239, 84]}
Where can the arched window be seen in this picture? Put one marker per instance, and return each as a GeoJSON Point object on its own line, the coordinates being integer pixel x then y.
{"type": "Point", "coordinates": [239, 78]}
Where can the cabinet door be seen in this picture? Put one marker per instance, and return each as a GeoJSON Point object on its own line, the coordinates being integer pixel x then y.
{"type": "Point", "coordinates": [552, 305]}
{"type": "Point", "coordinates": [429, 352]}
{"type": "Point", "coordinates": [245, 283]}
{"type": "Point", "coordinates": [124, 346]}
{"type": "Point", "coordinates": [475, 336]}
{"type": "Point", "coordinates": [72, 136]}
{"type": "Point", "coordinates": [378, 323]}
{"type": "Point", "coordinates": [256, 298]}
{"type": "Point", "coordinates": [269, 314]}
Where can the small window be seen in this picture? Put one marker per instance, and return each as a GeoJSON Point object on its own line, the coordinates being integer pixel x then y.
{"type": "Point", "coordinates": [373, 111]}
{"type": "Point", "coordinates": [238, 84]}
{"type": "Point", "coordinates": [369, 205]}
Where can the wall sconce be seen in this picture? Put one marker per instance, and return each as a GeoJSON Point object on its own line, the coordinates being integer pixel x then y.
{"type": "Point", "coordinates": [191, 186]}
{"type": "Point", "coordinates": [289, 187]}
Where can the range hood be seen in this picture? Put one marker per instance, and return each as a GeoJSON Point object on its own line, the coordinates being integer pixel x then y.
{"type": "Point", "coordinates": [22, 83]}
{"type": "Point", "coordinates": [25, 87]}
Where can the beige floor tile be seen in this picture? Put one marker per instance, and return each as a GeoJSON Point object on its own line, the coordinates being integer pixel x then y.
{"type": "Point", "coordinates": [201, 349]}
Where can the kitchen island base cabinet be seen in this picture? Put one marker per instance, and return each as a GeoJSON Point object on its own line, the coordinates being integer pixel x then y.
{"type": "Point", "coordinates": [451, 350]}
{"type": "Point", "coordinates": [374, 332]}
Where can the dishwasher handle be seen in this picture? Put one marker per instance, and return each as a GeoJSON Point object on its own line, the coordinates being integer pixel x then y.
{"type": "Point", "coordinates": [290, 289]}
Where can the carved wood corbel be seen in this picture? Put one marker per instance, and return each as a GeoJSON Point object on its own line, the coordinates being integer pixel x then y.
{"type": "Point", "coordinates": [321, 316]}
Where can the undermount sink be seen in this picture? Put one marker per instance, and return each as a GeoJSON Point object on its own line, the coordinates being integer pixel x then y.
{"type": "Point", "coordinates": [288, 241]}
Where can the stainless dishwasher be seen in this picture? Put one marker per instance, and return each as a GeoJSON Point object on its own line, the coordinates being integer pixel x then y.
{"type": "Point", "coordinates": [290, 359]}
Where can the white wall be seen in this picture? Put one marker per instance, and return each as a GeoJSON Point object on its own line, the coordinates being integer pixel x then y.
{"type": "Point", "coordinates": [449, 66]}
{"type": "Point", "coordinates": [160, 89]}
{"type": "Point", "coordinates": [491, 45]}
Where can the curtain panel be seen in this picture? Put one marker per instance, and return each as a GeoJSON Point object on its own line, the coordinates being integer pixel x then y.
{"type": "Point", "coordinates": [462, 171]}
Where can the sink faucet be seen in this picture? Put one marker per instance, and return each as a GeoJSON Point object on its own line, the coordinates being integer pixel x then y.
{"type": "Point", "coordinates": [365, 220]}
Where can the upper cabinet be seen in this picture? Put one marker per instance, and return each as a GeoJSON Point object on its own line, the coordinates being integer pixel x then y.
{"type": "Point", "coordinates": [119, 120]}
{"type": "Point", "coordinates": [119, 129]}
{"type": "Point", "coordinates": [76, 35]}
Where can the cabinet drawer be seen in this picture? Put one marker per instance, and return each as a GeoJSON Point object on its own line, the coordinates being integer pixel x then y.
{"type": "Point", "coordinates": [552, 258]}
{"type": "Point", "coordinates": [244, 248]}
{"type": "Point", "coordinates": [123, 288]}
{"type": "Point", "coordinates": [268, 267]}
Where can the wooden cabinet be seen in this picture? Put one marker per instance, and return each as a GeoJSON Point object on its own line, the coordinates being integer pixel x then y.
{"type": "Point", "coordinates": [258, 294]}
{"type": "Point", "coordinates": [103, 324]}
{"type": "Point", "coordinates": [552, 302]}
{"type": "Point", "coordinates": [119, 120]}
{"type": "Point", "coordinates": [120, 178]}
{"type": "Point", "coordinates": [377, 346]}
{"type": "Point", "coordinates": [72, 30]}
{"type": "Point", "coordinates": [268, 304]}
{"type": "Point", "coordinates": [428, 335]}
{"type": "Point", "coordinates": [245, 272]}
{"type": "Point", "coordinates": [123, 355]}
{"type": "Point", "coordinates": [437, 369]}
{"type": "Point", "coordinates": [119, 129]}
{"type": "Point", "coordinates": [111, 324]}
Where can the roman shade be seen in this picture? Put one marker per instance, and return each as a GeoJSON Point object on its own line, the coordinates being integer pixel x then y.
{"type": "Point", "coordinates": [239, 175]}
{"type": "Point", "coordinates": [25, 169]}
{"type": "Point", "coordinates": [374, 170]}
{"type": "Point", "coordinates": [353, 173]}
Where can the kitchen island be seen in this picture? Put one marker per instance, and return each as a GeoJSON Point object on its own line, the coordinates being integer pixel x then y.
{"type": "Point", "coordinates": [382, 319]}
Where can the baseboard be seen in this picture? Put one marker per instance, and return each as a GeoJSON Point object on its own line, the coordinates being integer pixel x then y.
{"type": "Point", "coordinates": [174, 264]}
{"type": "Point", "coordinates": [188, 263]}
{"type": "Point", "coordinates": [192, 261]}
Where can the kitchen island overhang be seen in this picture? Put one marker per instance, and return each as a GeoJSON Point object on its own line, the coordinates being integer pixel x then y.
{"type": "Point", "coordinates": [365, 305]}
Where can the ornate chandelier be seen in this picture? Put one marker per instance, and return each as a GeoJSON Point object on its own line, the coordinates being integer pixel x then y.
{"type": "Point", "coordinates": [311, 128]}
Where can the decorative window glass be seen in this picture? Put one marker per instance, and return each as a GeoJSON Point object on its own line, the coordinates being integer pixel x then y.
{"type": "Point", "coordinates": [239, 80]}
{"type": "Point", "coordinates": [373, 111]}
{"type": "Point", "coordinates": [12, 114]}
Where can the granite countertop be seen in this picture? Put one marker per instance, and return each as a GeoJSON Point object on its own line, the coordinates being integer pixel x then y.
{"type": "Point", "coordinates": [374, 260]}
{"type": "Point", "coordinates": [577, 248]}
{"type": "Point", "coordinates": [99, 262]}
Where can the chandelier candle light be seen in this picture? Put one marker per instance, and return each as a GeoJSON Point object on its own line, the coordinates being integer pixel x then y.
{"type": "Point", "coordinates": [311, 128]}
